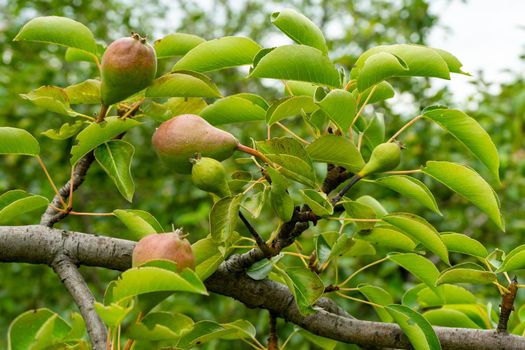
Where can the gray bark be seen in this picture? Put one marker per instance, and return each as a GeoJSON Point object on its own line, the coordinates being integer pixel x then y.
{"type": "Point", "coordinates": [41, 245]}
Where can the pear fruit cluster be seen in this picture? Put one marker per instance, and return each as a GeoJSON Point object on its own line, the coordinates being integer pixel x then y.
{"type": "Point", "coordinates": [164, 246]}
{"type": "Point", "coordinates": [128, 66]}
{"type": "Point", "coordinates": [178, 139]}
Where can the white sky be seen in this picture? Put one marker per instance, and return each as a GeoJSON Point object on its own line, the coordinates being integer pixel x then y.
{"type": "Point", "coordinates": [484, 34]}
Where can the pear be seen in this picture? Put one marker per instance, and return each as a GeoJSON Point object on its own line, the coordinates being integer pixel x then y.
{"type": "Point", "coordinates": [209, 175]}
{"type": "Point", "coordinates": [178, 139]}
{"type": "Point", "coordinates": [164, 246]}
{"type": "Point", "coordinates": [384, 157]}
{"type": "Point", "coordinates": [128, 66]}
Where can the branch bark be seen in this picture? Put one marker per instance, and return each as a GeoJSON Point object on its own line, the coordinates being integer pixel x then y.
{"type": "Point", "coordinates": [77, 287]}
{"type": "Point", "coordinates": [41, 245]}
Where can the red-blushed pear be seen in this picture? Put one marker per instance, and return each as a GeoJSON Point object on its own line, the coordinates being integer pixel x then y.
{"type": "Point", "coordinates": [167, 246]}
{"type": "Point", "coordinates": [128, 66]}
{"type": "Point", "coordinates": [178, 139]}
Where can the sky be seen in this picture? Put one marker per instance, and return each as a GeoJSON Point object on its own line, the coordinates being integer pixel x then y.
{"type": "Point", "coordinates": [483, 34]}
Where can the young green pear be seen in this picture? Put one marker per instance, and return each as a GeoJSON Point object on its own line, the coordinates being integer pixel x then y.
{"type": "Point", "coordinates": [209, 175]}
{"type": "Point", "coordinates": [178, 139]}
{"type": "Point", "coordinates": [128, 66]}
{"type": "Point", "coordinates": [164, 246]}
{"type": "Point", "coordinates": [384, 157]}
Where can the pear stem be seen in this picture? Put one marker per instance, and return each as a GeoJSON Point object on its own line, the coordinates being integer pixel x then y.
{"type": "Point", "coordinates": [253, 152]}
{"type": "Point", "coordinates": [102, 113]}
{"type": "Point", "coordinates": [345, 189]}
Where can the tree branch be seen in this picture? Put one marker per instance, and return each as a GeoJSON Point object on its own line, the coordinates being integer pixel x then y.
{"type": "Point", "coordinates": [39, 244]}
{"type": "Point", "coordinates": [52, 215]}
{"type": "Point", "coordinates": [77, 287]}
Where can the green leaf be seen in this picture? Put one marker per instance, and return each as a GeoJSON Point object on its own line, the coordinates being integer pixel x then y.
{"type": "Point", "coordinates": [449, 318]}
{"type": "Point", "coordinates": [420, 230]}
{"type": "Point", "coordinates": [148, 279]}
{"type": "Point", "coordinates": [296, 62]}
{"type": "Point", "coordinates": [468, 131]}
{"type": "Point", "coordinates": [515, 260]}
{"type": "Point", "coordinates": [206, 331]}
{"type": "Point", "coordinates": [176, 44]}
{"type": "Point", "coordinates": [223, 218]}
{"type": "Point", "coordinates": [468, 184]}
{"type": "Point", "coordinates": [261, 269]}
{"type": "Point", "coordinates": [422, 268]}
{"type": "Point", "coordinates": [291, 156]}
{"type": "Point", "coordinates": [454, 65]}
{"type": "Point", "coordinates": [419, 61]}
{"type": "Point", "coordinates": [66, 131]}
{"type": "Point", "coordinates": [139, 222]}
{"type": "Point", "coordinates": [115, 158]}
{"type": "Point", "coordinates": [305, 285]}
{"type": "Point", "coordinates": [17, 202]}
{"type": "Point", "coordinates": [299, 28]}
{"type": "Point", "coordinates": [18, 141]}
{"type": "Point", "coordinates": [378, 296]}
{"type": "Point", "coordinates": [27, 329]}
{"type": "Point", "coordinates": [281, 202]}
{"type": "Point", "coordinates": [339, 105]}
{"type": "Point", "coordinates": [226, 52]}
{"type": "Point", "coordinates": [463, 273]}
{"type": "Point", "coordinates": [58, 30]}
{"type": "Point", "coordinates": [411, 188]}
{"type": "Point", "coordinates": [86, 92]}
{"type": "Point", "coordinates": [157, 326]}
{"type": "Point", "coordinates": [96, 134]}
{"type": "Point", "coordinates": [320, 342]}
{"type": "Point", "coordinates": [379, 92]}
{"type": "Point", "coordinates": [51, 98]}
{"type": "Point", "coordinates": [173, 106]}
{"type": "Point", "coordinates": [460, 243]}
{"type": "Point", "coordinates": [113, 314]}
{"type": "Point", "coordinates": [77, 55]}
{"type": "Point", "coordinates": [336, 150]}
{"type": "Point", "coordinates": [374, 204]}
{"type": "Point", "coordinates": [389, 237]}
{"type": "Point", "coordinates": [357, 210]}
{"type": "Point", "coordinates": [318, 202]}
{"type": "Point", "coordinates": [299, 88]}
{"type": "Point", "coordinates": [449, 294]}
{"type": "Point", "coordinates": [374, 133]}
{"type": "Point", "coordinates": [183, 84]}
{"type": "Point", "coordinates": [235, 109]}
{"type": "Point", "coordinates": [289, 107]}
{"type": "Point", "coordinates": [207, 257]}
{"type": "Point", "coordinates": [378, 67]}
{"type": "Point", "coordinates": [416, 327]}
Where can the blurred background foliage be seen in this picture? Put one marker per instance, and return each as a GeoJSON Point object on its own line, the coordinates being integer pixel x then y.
{"type": "Point", "coordinates": [350, 27]}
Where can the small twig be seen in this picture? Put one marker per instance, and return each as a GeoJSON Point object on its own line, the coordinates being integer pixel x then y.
{"type": "Point", "coordinates": [132, 109]}
{"type": "Point", "coordinates": [507, 305]}
{"type": "Point", "coordinates": [349, 278]}
{"type": "Point", "coordinates": [273, 339]}
{"type": "Point", "coordinates": [402, 172]}
{"type": "Point", "coordinates": [404, 127]}
{"type": "Point", "coordinates": [358, 300]}
{"type": "Point", "coordinates": [90, 214]}
{"type": "Point", "coordinates": [42, 165]}
{"type": "Point", "coordinates": [267, 251]}
{"type": "Point", "coordinates": [363, 106]}
{"type": "Point", "coordinates": [292, 133]}
{"type": "Point", "coordinates": [65, 268]}
{"type": "Point", "coordinates": [345, 189]}
{"type": "Point", "coordinates": [253, 152]}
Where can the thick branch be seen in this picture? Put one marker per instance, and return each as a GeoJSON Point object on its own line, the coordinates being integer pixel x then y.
{"type": "Point", "coordinates": [38, 244]}
{"type": "Point", "coordinates": [77, 287]}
